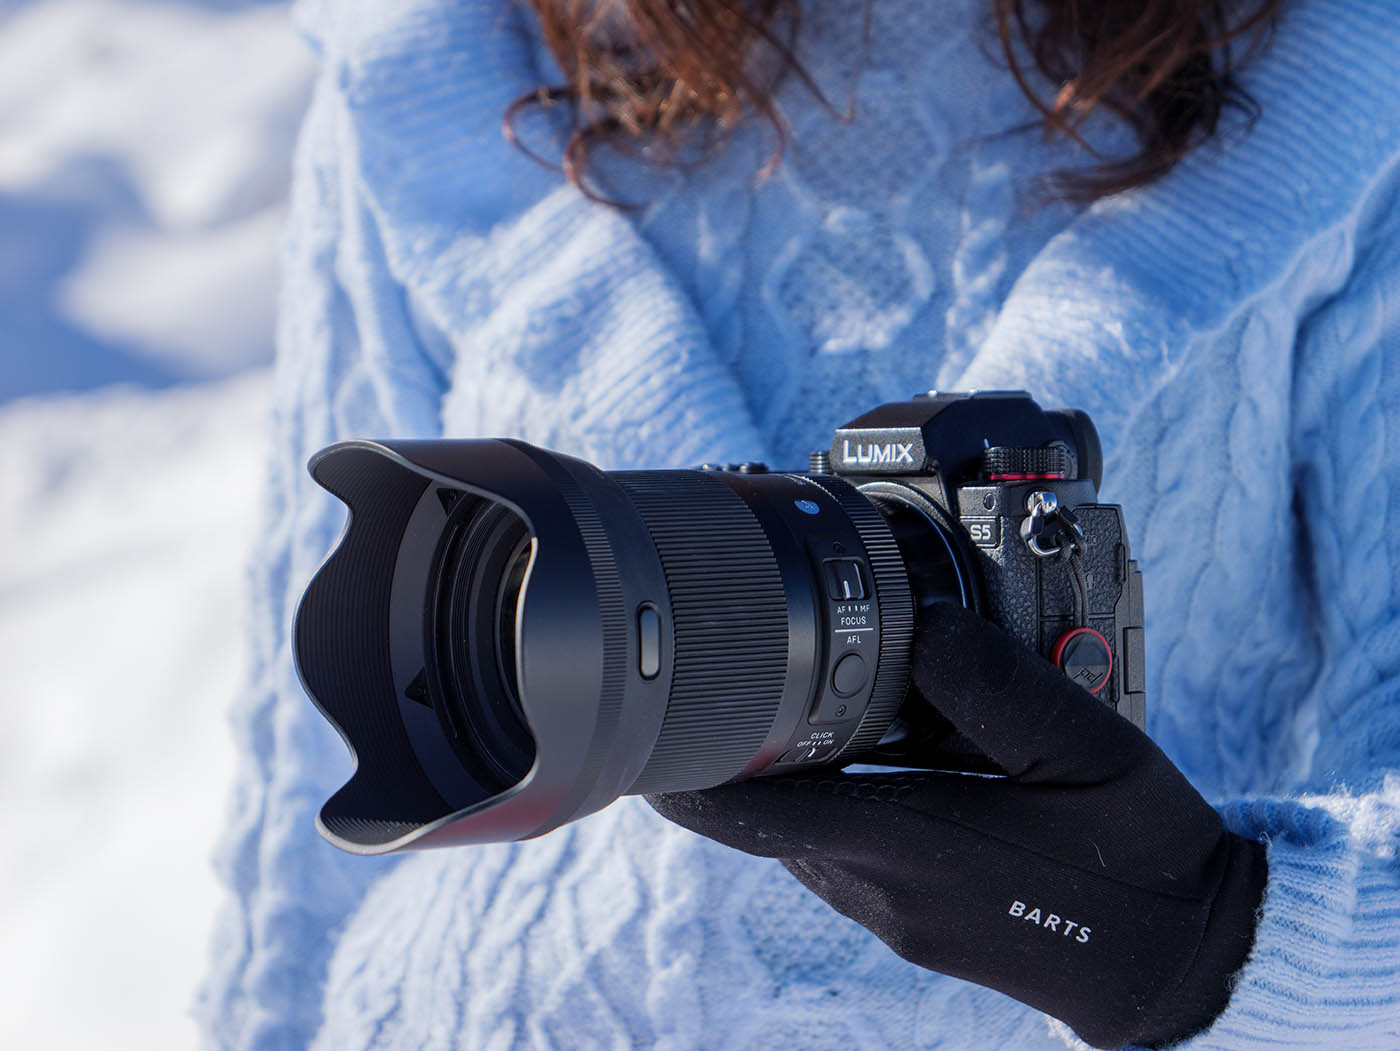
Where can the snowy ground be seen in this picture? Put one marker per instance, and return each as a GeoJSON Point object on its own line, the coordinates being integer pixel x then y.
{"type": "Point", "coordinates": [144, 155]}
{"type": "Point", "coordinates": [124, 526]}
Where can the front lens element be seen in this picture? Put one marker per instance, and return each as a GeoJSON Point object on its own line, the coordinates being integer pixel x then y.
{"type": "Point", "coordinates": [508, 621]}
{"type": "Point", "coordinates": [479, 574]}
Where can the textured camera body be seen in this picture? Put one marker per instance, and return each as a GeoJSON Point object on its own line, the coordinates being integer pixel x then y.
{"type": "Point", "coordinates": [1030, 597]}
{"type": "Point", "coordinates": [977, 465]}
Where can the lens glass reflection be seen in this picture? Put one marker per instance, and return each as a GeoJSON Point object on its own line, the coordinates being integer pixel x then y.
{"type": "Point", "coordinates": [480, 575]}
{"type": "Point", "coordinates": [507, 621]}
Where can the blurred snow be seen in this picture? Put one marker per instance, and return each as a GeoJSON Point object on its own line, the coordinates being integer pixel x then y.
{"type": "Point", "coordinates": [125, 523]}
{"type": "Point", "coordinates": [145, 151]}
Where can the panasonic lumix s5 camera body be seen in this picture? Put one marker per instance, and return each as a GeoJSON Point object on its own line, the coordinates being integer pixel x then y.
{"type": "Point", "coordinates": [509, 638]}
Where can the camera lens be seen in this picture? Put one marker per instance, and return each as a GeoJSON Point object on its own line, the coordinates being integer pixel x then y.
{"type": "Point", "coordinates": [533, 637]}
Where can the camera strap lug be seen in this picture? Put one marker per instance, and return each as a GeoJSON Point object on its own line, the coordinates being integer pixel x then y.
{"type": "Point", "coordinates": [1053, 532]}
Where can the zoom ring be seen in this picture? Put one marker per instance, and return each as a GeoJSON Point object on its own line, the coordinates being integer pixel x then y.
{"type": "Point", "coordinates": [730, 627]}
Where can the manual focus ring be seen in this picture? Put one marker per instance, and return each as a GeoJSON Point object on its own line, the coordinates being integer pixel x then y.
{"type": "Point", "coordinates": [730, 624]}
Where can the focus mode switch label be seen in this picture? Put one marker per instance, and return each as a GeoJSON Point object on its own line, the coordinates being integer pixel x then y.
{"type": "Point", "coordinates": [649, 637]}
{"type": "Point", "coordinates": [843, 579]}
{"type": "Point", "coordinates": [810, 752]}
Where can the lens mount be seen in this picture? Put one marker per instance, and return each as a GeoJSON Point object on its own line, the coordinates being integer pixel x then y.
{"type": "Point", "coordinates": [936, 556]}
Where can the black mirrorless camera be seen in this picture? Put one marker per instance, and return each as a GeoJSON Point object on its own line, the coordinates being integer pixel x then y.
{"type": "Point", "coordinates": [509, 638]}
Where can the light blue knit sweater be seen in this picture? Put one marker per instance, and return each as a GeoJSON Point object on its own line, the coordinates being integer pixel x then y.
{"type": "Point", "coordinates": [1234, 330]}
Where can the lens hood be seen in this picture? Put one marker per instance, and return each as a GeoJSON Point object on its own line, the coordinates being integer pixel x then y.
{"type": "Point", "coordinates": [367, 661]}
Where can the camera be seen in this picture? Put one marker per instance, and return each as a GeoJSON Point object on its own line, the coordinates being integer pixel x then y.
{"type": "Point", "coordinates": [509, 638]}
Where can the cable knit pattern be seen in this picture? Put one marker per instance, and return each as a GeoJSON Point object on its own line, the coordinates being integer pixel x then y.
{"type": "Point", "coordinates": [1234, 330]}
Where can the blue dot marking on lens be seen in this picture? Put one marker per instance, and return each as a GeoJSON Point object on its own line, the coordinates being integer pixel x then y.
{"type": "Point", "coordinates": [807, 507]}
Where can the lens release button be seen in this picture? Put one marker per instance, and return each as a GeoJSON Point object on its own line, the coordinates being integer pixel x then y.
{"type": "Point", "coordinates": [849, 675]}
{"type": "Point", "coordinates": [649, 636]}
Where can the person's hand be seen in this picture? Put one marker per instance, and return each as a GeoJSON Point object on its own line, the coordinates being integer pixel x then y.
{"type": "Point", "coordinates": [1093, 883]}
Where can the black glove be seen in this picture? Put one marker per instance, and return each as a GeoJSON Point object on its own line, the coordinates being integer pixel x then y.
{"type": "Point", "coordinates": [1093, 883]}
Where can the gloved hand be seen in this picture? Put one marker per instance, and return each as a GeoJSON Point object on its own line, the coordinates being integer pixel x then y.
{"type": "Point", "coordinates": [1093, 883]}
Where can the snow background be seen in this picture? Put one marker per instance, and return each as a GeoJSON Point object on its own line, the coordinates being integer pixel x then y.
{"type": "Point", "coordinates": [144, 158]}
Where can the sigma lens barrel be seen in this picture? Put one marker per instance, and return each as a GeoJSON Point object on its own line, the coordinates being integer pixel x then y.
{"type": "Point", "coordinates": [509, 639]}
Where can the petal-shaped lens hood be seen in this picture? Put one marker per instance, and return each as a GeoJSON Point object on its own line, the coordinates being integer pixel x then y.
{"type": "Point", "coordinates": [360, 643]}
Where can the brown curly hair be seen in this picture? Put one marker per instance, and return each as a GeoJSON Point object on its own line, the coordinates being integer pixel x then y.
{"type": "Point", "coordinates": [660, 71]}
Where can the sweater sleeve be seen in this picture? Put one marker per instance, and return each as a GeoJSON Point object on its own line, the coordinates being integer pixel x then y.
{"type": "Point", "coordinates": [1325, 969]}
{"type": "Point", "coordinates": [1295, 233]}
